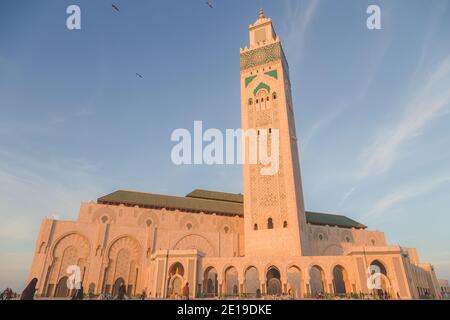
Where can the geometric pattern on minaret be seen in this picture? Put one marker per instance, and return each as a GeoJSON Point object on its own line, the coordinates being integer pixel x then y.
{"type": "Point", "coordinates": [274, 213]}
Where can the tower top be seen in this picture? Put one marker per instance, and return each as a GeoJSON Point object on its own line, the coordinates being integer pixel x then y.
{"type": "Point", "coordinates": [261, 13]}
{"type": "Point", "coordinates": [261, 32]}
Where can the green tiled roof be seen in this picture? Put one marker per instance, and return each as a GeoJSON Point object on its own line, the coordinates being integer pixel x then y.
{"type": "Point", "coordinates": [132, 198]}
{"type": "Point", "coordinates": [332, 220]}
{"type": "Point", "coordinates": [214, 195]}
{"type": "Point", "coordinates": [212, 202]}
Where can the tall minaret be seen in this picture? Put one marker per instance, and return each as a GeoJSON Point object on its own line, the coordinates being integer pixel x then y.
{"type": "Point", "coordinates": [274, 213]}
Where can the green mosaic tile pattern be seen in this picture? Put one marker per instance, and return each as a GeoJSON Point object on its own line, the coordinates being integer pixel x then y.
{"type": "Point", "coordinates": [260, 56]}
{"type": "Point", "coordinates": [260, 86]}
{"type": "Point", "coordinates": [273, 74]}
{"type": "Point", "coordinates": [248, 80]}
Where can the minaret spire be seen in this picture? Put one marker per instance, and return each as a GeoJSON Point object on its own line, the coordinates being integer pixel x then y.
{"type": "Point", "coordinates": [261, 13]}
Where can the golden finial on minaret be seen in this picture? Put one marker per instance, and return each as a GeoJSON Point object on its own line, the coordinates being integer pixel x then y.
{"type": "Point", "coordinates": [261, 13]}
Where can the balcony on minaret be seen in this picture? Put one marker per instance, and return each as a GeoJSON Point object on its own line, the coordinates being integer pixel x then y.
{"type": "Point", "coordinates": [262, 31]}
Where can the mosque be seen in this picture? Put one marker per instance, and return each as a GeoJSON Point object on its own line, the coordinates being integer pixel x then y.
{"type": "Point", "coordinates": [260, 243]}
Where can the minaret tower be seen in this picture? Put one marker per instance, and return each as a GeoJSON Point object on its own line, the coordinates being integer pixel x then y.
{"type": "Point", "coordinates": [274, 214]}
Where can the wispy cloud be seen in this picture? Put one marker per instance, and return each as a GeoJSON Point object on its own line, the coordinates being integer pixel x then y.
{"type": "Point", "coordinates": [319, 125]}
{"type": "Point", "coordinates": [31, 189]}
{"type": "Point", "coordinates": [300, 14]}
{"type": "Point", "coordinates": [405, 193]}
{"type": "Point", "coordinates": [430, 102]}
{"type": "Point", "coordinates": [346, 196]}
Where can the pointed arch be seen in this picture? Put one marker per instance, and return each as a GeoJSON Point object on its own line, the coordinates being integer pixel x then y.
{"type": "Point", "coordinates": [261, 86]}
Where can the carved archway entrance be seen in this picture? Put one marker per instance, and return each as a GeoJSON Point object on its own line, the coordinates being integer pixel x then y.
{"type": "Point", "coordinates": [62, 291]}
{"type": "Point", "coordinates": [117, 284]}
{"type": "Point", "coordinates": [273, 281]}
{"type": "Point", "coordinates": [210, 283]}
{"type": "Point", "coordinates": [175, 281]}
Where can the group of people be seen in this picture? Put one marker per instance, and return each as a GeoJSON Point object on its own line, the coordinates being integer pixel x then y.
{"type": "Point", "coordinates": [121, 294]}
{"type": "Point", "coordinates": [184, 295]}
{"type": "Point", "coordinates": [78, 294]}
{"type": "Point", "coordinates": [7, 294]}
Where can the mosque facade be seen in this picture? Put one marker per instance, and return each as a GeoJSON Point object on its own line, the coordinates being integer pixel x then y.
{"type": "Point", "coordinates": [261, 242]}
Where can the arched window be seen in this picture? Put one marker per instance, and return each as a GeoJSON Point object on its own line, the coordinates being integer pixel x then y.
{"type": "Point", "coordinates": [104, 219]}
{"type": "Point", "coordinates": [149, 222]}
{"type": "Point", "coordinates": [274, 96]}
{"type": "Point", "coordinates": [189, 226]}
{"type": "Point", "coordinates": [226, 229]}
{"type": "Point", "coordinates": [255, 227]}
{"type": "Point", "coordinates": [269, 223]}
{"type": "Point", "coordinates": [285, 224]}
{"type": "Point", "coordinates": [267, 99]}
{"type": "Point", "coordinates": [250, 101]}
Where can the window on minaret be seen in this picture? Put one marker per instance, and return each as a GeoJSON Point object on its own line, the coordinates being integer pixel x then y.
{"type": "Point", "coordinates": [274, 95]}
{"type": "Point", "coordinates": [285, 224]}
{"type": "Point", "coordinates": [255, 227]}
{"type": "Point", "coordinates": [269, 223]}
{"type": "Point", "coordinates": [250, 101]}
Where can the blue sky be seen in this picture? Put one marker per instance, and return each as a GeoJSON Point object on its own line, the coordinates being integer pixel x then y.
{"type": "Point", "coordinates": [372, 109]}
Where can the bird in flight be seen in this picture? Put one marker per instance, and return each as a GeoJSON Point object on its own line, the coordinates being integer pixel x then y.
{"type": "Point", "coordinates": [209, 3]}
{"type": "Point", "coordinates": [139, 75]}
{"type": "Point", "coordinates": [115, 7]}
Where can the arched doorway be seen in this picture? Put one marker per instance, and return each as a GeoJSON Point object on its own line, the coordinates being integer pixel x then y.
{"type": "Point", "coordinates": [117, 284]}
{"type": "Point", "coordinates": [377, 266]}
{"type": "Point", "coordinates": [294, 282]}
{"type": "Point", "coordinates": [62, 291]}
{"type": "Point", "coordinates": [380, 284]}
{"type": "Point", "coordinates": [122, 260]}
{"type": "Point", "coordinates": [340, 281]}
{"type": "Point", "coordinates": [251, 282]}
{"type": "Point", "coordinates": [317, 281]}
{"type": "Point", "coordinates": [91, 290]}
{"type": "Point", "coordinates": [210, 282]}
{"type": "Point", "coordinates": [177, 286]}
{"type": "Point", "coordinates": [273, 280]}
{"type": "Point", "coordinates": [175, 283]}
{"type": "Point", "coordinates": [231, 281]}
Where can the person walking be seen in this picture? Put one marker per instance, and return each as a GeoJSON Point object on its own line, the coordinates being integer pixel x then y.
{"type": "Point", "coordinates": [30, 290]}
{"type": "Point", "coordinates": [122, 291]}
{"type": "Point", "coordinates": [78, 294]}
{"type": "Point", "coordinates": [186, 291]}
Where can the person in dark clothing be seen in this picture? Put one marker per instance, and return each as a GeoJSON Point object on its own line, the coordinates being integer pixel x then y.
{"type": "Point", "coordinates": [186, 291]}
{"type": "Point", "coordinates": [121, 293]}
{"type": "Point", "coordinates": [30, 290]}
{"type": "Point", "coordinates": [78, 294]}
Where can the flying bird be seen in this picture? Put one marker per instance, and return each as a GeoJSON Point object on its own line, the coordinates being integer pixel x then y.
{"type": "Point", "coordinates": [115, 7]}
{"type": "Point", "coordinates": [209, 3]}
{"type": "Point", "coordinates": [139, 75]}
